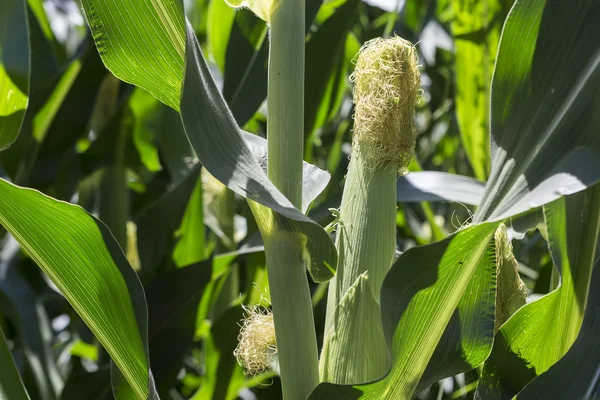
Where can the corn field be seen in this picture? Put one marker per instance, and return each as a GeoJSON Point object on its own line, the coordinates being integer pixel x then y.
{"type": "Point", "coordinates": [299, 199]}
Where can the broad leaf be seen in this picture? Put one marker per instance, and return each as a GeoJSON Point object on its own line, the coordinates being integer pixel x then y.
{"type": "Point", "coordinates": [552, 322]}
{"type": "Point", "coordinates": [157, 224]}
{"type": "Point", "coordinates": [14, 69]}
{"type": "Point", "coordinates": [418, 299]}
{"type": "Point", "coordinates": [326, 73]}
{"type": "Point", "coordinates": [19, 303]}
{"type": "Point", "coordinates": [209, 124]}
{"type": "Point", "coordinates": [11, 385]}
{"type": "Point", "coordinates": [173, 300]}
{"type": "Point", "coordinates": [221, 148]}
{"type": "Point", "coordinates": [129, 35]}
{"type": "Point", "coordinates": [575, 376]}
{"type": "Point", "coordinates": [545, 97]}
{"type": "Point", "coordinates": [80, 256]}
{"type": "Point", "coordinates": [476, 29]}
{"type": "Point", "coordinates": [439, 186]}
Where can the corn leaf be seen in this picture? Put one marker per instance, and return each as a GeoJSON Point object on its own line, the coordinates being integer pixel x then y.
{"type": "Point", "coordinates": [227, 156]}
{"type": "Point", "coordinates": [158, 222]}
{"type": "Point", "coordinates": [209, 124]}
{"type": "Point", "coordinates": [81, 257]}
{"type": "Point", "coordinates": [129, 36]}
{"type": "Point", "coordinates": [325, 67]}
{"type": "Point", "coordinates": [418, 299]}
{"type": "Point", "coordinates": [552, 322]}
{"type": "Point", "coordinates": [11, 385]}
{"type": "Point", "coordinates": [439, 186]}
{"type": "Point", "coordinates": [575, 376]}
{"type": "Point", "coordinates": [476, 29]}
{"type": "Point", "coordinates": [19, 303]}
{"type": "Point", "coordinates": [545, 97]}
{"type": "Point", "coordinates": [14, 69]}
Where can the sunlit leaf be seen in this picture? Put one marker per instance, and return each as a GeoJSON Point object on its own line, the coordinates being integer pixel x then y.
{"type": "Point", "coordinates": [80, 256]}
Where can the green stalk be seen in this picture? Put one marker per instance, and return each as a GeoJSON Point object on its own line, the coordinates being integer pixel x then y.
{"type": "Point", "coordinates": [285, 99]}
{"type": "Point", "coordinates": [290, 294]}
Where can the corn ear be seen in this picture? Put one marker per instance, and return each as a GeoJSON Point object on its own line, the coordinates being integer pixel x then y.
{"type": "Point", "coordinates": [511, 292]}
{"type": "Point", "coordinates": [386, 88]}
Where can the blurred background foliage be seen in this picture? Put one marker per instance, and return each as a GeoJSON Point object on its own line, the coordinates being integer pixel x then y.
{"type": "Point", "coordinates": [115, 150]}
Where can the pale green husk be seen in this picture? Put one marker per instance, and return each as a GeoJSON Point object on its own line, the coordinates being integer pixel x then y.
{"type": "Point", "coordinates": [511, 292]}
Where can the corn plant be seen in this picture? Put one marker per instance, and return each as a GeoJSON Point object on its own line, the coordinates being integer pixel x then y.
{"type": "Point", "coordinates": [299, 199]}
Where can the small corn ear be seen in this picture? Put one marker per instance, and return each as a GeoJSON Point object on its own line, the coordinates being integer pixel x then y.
{"type": "Point", "coordinates": [511, 292]}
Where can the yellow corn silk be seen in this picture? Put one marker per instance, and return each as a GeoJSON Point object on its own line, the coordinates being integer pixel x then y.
{"type": "Point", "coordinates": [262, 8]}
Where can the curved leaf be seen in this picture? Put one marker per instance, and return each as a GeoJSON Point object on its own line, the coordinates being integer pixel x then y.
{"type": "Point", "coordinates": [476, 29]}
{"type": "Point", "coordinates": [576, 375]}
{"type": "Point", "coordinates": [208, 122]}
{"type": "Point", "coordinates": [221, 148]}
{"type": "Point", "coordinates": [31, 321]}
{"type": "Point", "coordinates": [545, 97]}
{"type": "Point", "coordinates": [439, 186]}
{"type": "Point", "coordinates": [81, 257]}
{"type": "Point", "coordinates": [129, 35]}
{"type": "Point", "coordinates": [14, 69]}
{"type": "Point", "coordinates": [11, 385]}
{"type": "Point", "coordinates": [553, 321]}
{"type": "Point", "coordinates": [418, 299]}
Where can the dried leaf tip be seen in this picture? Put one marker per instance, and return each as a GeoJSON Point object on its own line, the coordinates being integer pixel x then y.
{"type": "Point", "coordinates": [386, 92]}
{"type": "Point", "coordinates": [257, 346]}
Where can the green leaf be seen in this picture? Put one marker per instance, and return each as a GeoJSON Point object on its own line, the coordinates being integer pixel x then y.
{"type": "Point", "coordinates": [147, 116]}
{"type": "Point", "coordinates": [129, 35]}
{"type": "Point", "coordinates": [545, 97]}
{"type": "Point", "coordinates": [439, 186]}
{"type": "Point", "coordinates": [540, 333]}
{"type": "Point", "coordinates": [93, 386]}
{"type": "Point", "coordinates": [476, 29]}
{"type": "Point", "coordinates": [14, 69]}
{"type": "Point", "coordinates": [575, 376]}
{"type": "Point", "coordinates": [222, 149]}
{"type": "Point", "coordinates": [157, 224]}
{"type": "Point", "coordinates": [19, 303]}
{"type": "Point", "coordinates": [245, 73]}
{"type": "Point", "coordinates": [82, 259]}
{"type": "Point", "coordinates": [173, 300]}
{"type": "Point", "coordinates": [11, 385]}
{"type": "Point", "coordinates": [326, 74]}
{"type": "Point", "coordinates": [220, 21]}
{"type": "Point", "coordinates": [172, 305]}
{"type": "Point", "coordinates": [418, 299]}
{"type": "Point", "coordinates": [221, 365]}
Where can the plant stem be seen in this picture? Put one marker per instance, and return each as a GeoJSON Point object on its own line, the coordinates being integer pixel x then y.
{"type": "Point", "coordinates": [285, 99]}
{"type": "Point", "coordinates": [290, 294]}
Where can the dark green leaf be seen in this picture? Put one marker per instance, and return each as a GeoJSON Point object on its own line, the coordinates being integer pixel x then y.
{"type": "Point", "coordinates": [157, 224]}
{"type": "Point", "coordinates": [11, 385]}
{"type": "Point", "coordinates": [575, 376]}
{"type": "Point", "coordinates": [545, 97]}
{"type": "Point", "coordinates": [419, 296]}
{"type": "Point", "coordinates": [221, 148]}
{"type": "Point", "coordinates": [540, 333]}
{"type": "Point", "coordinates": [14, 69]}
